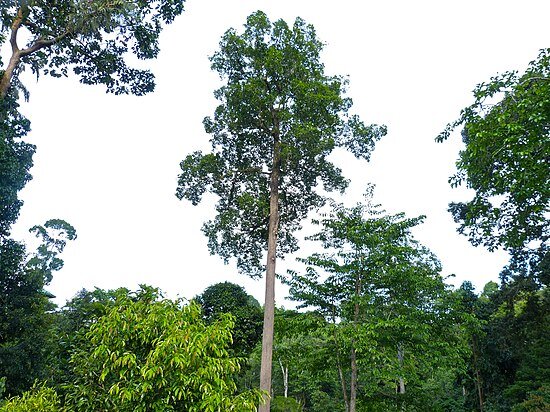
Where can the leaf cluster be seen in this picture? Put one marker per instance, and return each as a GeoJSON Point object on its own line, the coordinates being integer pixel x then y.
{"type": "Point", "coordinates": [153, 354]}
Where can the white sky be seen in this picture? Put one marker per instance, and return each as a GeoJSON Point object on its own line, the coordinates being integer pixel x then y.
{"type": "Point", "coordinates": [109, 164]}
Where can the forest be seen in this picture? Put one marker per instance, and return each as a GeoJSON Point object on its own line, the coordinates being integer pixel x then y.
{"type": "Point", "coordinates": [375, 324]}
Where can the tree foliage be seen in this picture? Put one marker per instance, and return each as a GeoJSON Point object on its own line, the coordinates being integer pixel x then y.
{"type": "Point", "coordinates": [153, 354]}
{"type": "Point", "coordinates": [229, 298]}
{"type": "Point", "coordinates": [15, 161]}
{"type": "Point", "coordinates": [91, 37]}
{"type": "Point", "coordinates": [506, 132]}
{"type": "Point", "coordinates": [382, 291]}
{"type": "Point", "coordinates": [25, 321]}
{"type": "Point", "coordinates": [277, 100]}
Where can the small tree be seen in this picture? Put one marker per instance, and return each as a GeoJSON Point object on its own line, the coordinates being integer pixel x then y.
{"type": "Point", "coordinates": [280, 117]}
{"type": "Point", "coordinates": [152, 354]}
{"type": "Point", "coordinates": [383, 291]}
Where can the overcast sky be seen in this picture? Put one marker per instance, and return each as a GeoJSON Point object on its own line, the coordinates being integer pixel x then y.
{"type": "Point", "coordinates": [109, 164]}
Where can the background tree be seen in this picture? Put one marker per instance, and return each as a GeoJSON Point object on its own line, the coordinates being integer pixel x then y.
{"type": "Point", "coordinates": [384, 291]}
{"type": "Point", "coordinates": [304, 369]}
{"type": "Point", "coordinates": [227, 297]}
{"type": "Point", "coordinates": [91, 37]}
{"type": "Point", "coordinates": [506, 132]}
{"type": "Point", "coordinates": [280, 117]}
{"type": "Point", "coordinates": [69, 326]}
{"type": "Point", "coordinates": [25, 318]}
{"type": "Point", "coordinates": [153, 354]}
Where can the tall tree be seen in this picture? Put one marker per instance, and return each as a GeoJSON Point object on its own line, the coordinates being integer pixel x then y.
{"type": "Point", "coordinates": [384, 290]}
{"type": "Point", "coordinates": [89, 36]}
{"type": "Point", "coordinates": [279, 118]}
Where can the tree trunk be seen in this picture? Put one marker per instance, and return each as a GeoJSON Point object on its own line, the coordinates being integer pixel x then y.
{"type": "Point", "coordinates": [5, 81]}
{"type": "Point", "coordinates": [478, 377]}
{"type": "Point", "coordinates": [353, 381]}
{"type": "Point", "coordinates": [284, 370]}
{"type": "Point", "coordinates": [400, 356]}
{"type": "Point", "coordinates": [269, 305]}
{"type": "Point", "coordinates": [340, 371]}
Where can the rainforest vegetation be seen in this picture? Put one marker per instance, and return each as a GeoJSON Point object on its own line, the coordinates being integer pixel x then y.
{"type": "Point", "coordinates": [377, 327]}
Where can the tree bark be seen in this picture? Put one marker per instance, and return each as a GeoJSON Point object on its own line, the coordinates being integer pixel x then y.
{"type": "Point", "coordinates": [284, 370]}
{"type": "Point", "coordinates": [5, 81]}
{"type": "Point", "coordinates": [400, 357]}
{"type": "Point", "coordinates": [269, 305]}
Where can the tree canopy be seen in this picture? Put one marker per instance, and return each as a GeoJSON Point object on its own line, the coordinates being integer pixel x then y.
{"type": "Point", "coordinates": [91, 37]}
{"type": "Point", "coordinates": [506, 132]}
{"type": "Point", "coordinates": [279, 112]}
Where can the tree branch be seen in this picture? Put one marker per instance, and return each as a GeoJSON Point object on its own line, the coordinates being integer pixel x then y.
{"type": "Point", "coordinates": [15, 28]}
{"type": "Point", "coordinates": [41, 43]}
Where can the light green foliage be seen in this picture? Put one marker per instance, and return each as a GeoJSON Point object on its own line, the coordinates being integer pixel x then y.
{"type": "Point", "coordinates": [505, 159]}
{"type": "Point", "coordinates": [383, 291]}
{"type": "Point", "coordinates": [282, 404]}
{"type": "Point", "coordinates": [69, 325]}
{"type": "Point", "coordinates": [280, 116]}
{"type": "Point", "coordinates": [39, 399]}
{"type": "Point", "coordinates": [90, 36]}
{"type": "Point", "coordinates": [153, 354]}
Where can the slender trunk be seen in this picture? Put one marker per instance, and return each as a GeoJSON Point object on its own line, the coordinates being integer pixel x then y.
{"type": "Point", "coordinates": [400, 356]}
{"type": "Point", "coordinates": [284, 370]}
{"type": "Point", "coordinates": [269, 306]}
{"type": "Point", "coordinates": [478, 377]}
{"type": "Point", "coordinates": [340, 371]}
{"type": "Point", "coordinates": [353, 382]}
